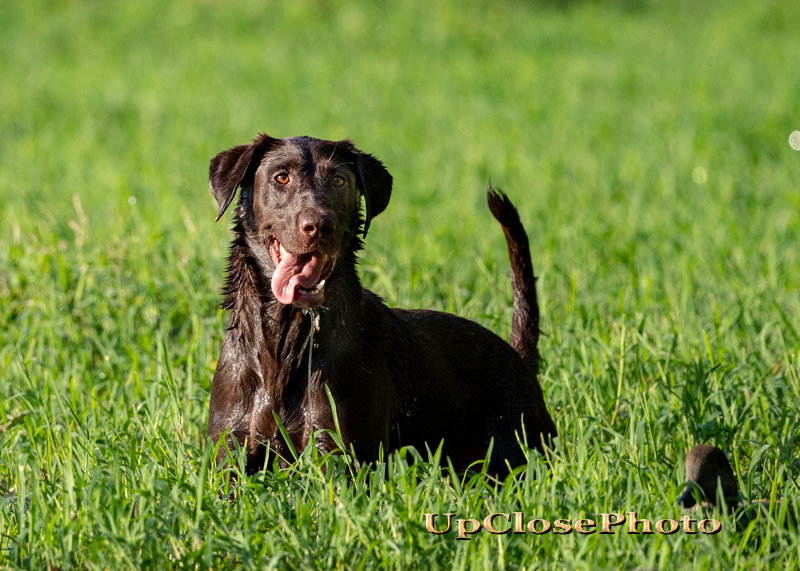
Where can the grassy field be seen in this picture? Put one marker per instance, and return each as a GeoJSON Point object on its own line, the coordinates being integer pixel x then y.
{"type": "Point", "coordinates": [645, 144]}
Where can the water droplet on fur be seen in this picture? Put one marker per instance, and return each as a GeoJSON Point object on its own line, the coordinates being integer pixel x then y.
{"type": "Point", "coordinates": [408, 413]}
{"type": "Point", "coordinates": [316, 345]}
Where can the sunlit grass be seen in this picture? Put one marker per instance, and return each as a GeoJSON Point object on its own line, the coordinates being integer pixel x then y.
{"type": "Point", "coordinates": [646, 147]}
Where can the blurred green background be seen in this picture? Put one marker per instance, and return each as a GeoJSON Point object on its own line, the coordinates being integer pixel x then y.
{"type": "Point", "coordinates": [645, 144]}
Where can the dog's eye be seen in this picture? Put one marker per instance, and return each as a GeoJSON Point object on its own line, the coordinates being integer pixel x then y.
{"type": "Point", "coordinates": [282, 178]}
{"type": "Point", "coordinates": [338, 180]}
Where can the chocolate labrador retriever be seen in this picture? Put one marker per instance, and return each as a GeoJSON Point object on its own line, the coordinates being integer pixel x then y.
{"type": "Point", "coordinates": [397, 377]}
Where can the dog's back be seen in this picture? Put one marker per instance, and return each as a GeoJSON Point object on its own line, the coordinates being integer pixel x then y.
{"type": "Point", "coordinates": [485, 385]}
{"type": "Point", "coordinates": [470, 387]}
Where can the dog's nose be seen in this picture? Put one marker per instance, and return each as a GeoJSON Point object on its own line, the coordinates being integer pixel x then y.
{"type": "Point", "coordinates": [313, 224]}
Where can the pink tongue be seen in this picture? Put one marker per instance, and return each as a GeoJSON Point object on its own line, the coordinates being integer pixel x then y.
{"type": "Point", "coordinates": [293, 271]}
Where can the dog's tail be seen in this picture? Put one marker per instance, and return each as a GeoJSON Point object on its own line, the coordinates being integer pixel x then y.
{"type": "Point", "coordinates": [525, 321]}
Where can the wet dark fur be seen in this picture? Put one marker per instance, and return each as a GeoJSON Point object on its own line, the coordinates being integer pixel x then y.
{"type": "Point", "coordinates": [398, 377]}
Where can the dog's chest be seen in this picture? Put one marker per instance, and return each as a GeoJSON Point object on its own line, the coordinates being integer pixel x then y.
{"type": "Point", "coordinates": [348, 384]}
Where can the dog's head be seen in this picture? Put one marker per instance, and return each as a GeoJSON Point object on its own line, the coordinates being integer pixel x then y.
{"type": "Point", "coordinates": [300, 206]}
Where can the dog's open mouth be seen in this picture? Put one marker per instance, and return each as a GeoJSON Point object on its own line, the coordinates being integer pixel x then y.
{"type": "Point", "coordinates": [299, 278]}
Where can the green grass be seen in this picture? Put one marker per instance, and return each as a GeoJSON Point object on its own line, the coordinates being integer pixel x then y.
{"type": "Point", "coordinates": [671, 308]}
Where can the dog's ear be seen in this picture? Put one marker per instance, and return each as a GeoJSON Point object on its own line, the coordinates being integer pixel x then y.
{"type": "Point", "coordinates": [375, 183]}
{"type": "Point", "coordinates": [236, 167]}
